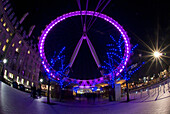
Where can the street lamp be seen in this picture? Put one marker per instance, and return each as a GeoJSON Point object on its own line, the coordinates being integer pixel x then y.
{"type": "Point", "coordinates": [39, 90]}
{"type": "Point", "coordinates": [157, 54]}
{"type": "Point", "coordinates": [41, 80]}
{"type": "Point", "coordinates": [4, 61]}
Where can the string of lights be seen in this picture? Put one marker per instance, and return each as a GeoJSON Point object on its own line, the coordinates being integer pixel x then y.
{"type": "Point", "coordinates": [113, 56]}
{"type": "Point", "coordinates": [61, 73]}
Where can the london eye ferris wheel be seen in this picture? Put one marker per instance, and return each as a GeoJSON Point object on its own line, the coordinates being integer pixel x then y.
{"type": "Point", "coordinates": [88, 20]}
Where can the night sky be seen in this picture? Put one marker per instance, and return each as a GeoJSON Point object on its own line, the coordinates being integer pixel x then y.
{"type": "Point", "coordinates": [142, 19]}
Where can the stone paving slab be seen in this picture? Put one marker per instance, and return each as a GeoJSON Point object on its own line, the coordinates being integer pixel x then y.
{"type": "Point", "coordinates": [13, 101]}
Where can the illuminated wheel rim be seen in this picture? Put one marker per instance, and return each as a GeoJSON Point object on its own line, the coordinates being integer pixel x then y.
{"type": "Point", "coordinates": [86, 83]}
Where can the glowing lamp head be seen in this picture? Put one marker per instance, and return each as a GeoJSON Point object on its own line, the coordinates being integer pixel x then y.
{"type": "Point", "coordinates": [5, 61]}
{"type": "Point", "coordinates": [41, 80]}
{"type": "Point", "coordinates": [157, 54]}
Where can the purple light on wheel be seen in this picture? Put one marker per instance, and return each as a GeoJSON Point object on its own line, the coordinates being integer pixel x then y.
{"type": "Point", "coordinates": [122, 64]}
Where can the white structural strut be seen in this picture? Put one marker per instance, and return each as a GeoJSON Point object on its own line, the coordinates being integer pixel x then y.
{"type": "Point", "coordinates": [93, 52]}
{"type": "Point", "coordinates": [76, 50]}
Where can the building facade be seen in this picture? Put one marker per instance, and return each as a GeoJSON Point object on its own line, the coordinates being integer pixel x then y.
{"type": "Point", "coordinates": [23, 61]}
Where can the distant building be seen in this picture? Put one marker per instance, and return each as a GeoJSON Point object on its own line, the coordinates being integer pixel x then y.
{"type": "Point", "coordinates": [23, 61]}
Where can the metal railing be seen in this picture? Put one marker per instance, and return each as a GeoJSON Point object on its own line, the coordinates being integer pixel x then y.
{"type": "Point", "coordinates": [149, 91]}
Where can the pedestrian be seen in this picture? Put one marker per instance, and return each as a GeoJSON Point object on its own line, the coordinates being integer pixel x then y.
{"type": "Point", "coordinates": [88, 97]}
{"type": "Point", "coordinates": [94, 97]}
{"type": "Point", "coordinates": [34, 91]}
{"type": "Point", "coordinates": [39, 92]}
{"type": "Point", "coordinates": [79, 97]}
{"type": "Point", "coordinates": [31, 91]}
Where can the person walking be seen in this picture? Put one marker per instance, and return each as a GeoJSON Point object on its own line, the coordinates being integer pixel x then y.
{"type": "Point", "coordinates": [34, 91]}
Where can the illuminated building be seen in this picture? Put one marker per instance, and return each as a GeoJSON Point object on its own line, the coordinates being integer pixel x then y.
{"type": "Point", "coordinates": [24, 63]}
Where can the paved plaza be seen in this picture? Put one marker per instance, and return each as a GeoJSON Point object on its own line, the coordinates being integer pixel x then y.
{"type": "Point", "coordinates": [14, 101]}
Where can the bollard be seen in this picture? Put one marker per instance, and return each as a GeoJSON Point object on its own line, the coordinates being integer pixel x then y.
{"type": "Point", "coordinates": [148, 91]}
{"type": "Point", "coordinates": [168, 84]}
{"type": "Point", "coordinates": [164, 87]}
{"type": "Point", "coordinates": [136, 94]}
{"type": "Point", "coordinates": [141, 93]}
{"type": "Point", "coordinates": [158, 90]}
{"type": "Point", "coordinates": [160, 87]}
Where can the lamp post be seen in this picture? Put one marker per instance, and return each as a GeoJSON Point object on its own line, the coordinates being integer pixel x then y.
{"type": "Point", "coordinates": [157, 54]}
{"type": "Point", "coordinates": [48, 92]}
{"type": "Point", "coordinates": [4, 61]}
{"type": "Point", "coordinates": [40, 82]}
{"type": "Point", "coordinates": [127, 88]}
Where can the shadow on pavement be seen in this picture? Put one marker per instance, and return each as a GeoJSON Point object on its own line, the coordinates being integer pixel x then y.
{"type": "Point", "coordinates": [151, 100]}
{"type": "Point", "coordinates": [51, 103]}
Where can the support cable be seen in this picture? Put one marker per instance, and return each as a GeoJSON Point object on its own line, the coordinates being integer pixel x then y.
{"type": "Point", "coordinates": [86, 11]}
{"type": "Point", "coordinates": [93, 52]}
{"type": "Point", "coordinates": [95, 11]}
{"type": "Point", "coordinates": [79, 5]}
{"type": "Point", "coordinates": [76, 50]}
{"type": "Point", "coordinates": [98, 15]}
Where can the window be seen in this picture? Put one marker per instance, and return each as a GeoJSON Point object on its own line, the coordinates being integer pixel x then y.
{"type": "Point", "coordinates": [20, 42]}
{"type": "Point", "coordinates": [13, 44]}
{"type": "Point", "coordinates": [5, 72]}
{"type": "Point", "coordinates": [11, 75]}
{"type": "Point", "coordinates": [2, 19]}
{"type": "Point", "coordinates": [27, 82]}
{"type": "Point", "coordinates": [17, 49]}
{"type": "Point", "coordinates": [17, 79]}
{"type": "Point", "coordinates": [7, 40]}
{"type": "Point", "coordinates": [4, 24]}
{"type": "Point", "coordinates": [7, 29]}
{"type": "Point", "coordinates": [29, 52]}
{"type": "Point", "coordinates": [32, 83]}
{"type": "Point", "coordinates": [11, 34]}
{"type": "Point", "coordinates": [22, 81]}
{"type": "Point", "coordinates": [3, 49]}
